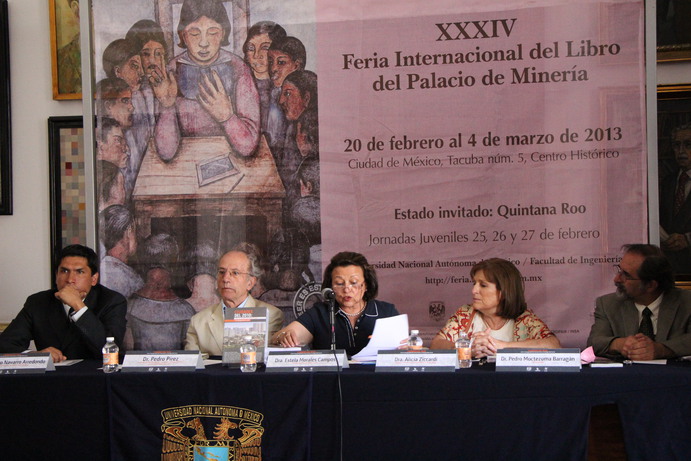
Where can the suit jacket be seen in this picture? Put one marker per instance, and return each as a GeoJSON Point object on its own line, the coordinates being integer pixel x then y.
{"type": "Point", "coordinates": [43, 320]}
{"type": "Point", "coordinates": [205, 332]}
{"type": "Point", "coordinates": [679, 223]}
{"type": "Point", "coordinates": [617, 317]}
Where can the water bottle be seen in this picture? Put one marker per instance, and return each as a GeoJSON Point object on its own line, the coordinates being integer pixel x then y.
{"type": "Point", "coordinates": [463, 350]}
{"type": "Point", "coordinates": [248, 355]}
{"type": "Point", "coordinates": [414, 340]}
{"type": "Point", "coordinates": [110, 355]}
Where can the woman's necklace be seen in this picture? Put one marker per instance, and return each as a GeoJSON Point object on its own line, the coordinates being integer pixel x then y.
{"type": "Point", "coordinates": [357, 314]}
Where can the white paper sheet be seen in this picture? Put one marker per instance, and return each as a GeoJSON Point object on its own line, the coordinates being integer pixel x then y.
{"type": "Point", "coordinates": [387, 335]}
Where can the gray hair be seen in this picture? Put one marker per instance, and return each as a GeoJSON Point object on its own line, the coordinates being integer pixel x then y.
{"type": "Point", "coordinates": [255, 267]}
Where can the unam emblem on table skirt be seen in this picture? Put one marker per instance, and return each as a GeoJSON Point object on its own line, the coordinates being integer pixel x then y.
{"type": "Point", "coordinates": [237, 433]}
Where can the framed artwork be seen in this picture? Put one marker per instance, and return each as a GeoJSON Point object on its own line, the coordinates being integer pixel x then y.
{"type": "Point", "coordinates": [67, 183]}
{"type": "Point", "coordinates": [673, 32]}
{"type": "Point", "coordinates": [674, 158]}
{"type": "Point", "coordinates": [5, 131]}
{"type": "Point", "coordinates": [65, 49]}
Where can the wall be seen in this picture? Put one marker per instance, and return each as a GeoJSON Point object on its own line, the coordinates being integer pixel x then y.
{"type": "Point", "coordinates": [25, 235]}
{"type": "Point", "coordinates": [674, 73]}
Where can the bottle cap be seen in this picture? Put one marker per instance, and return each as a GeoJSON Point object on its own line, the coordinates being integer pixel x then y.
{"type": "Point", "coordinates": [110, 338]}
{"type": "Point", "coordinates": [414, 332]}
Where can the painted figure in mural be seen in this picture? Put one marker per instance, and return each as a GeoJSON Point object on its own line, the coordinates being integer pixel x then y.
{"type": "Point", "coordinates": [298, 96]}
{"type": "Point", "coordinates": [200, 275]}
{"type": "Point", "coordinates": [305, 213]}
{"type": "Point", "coordinates": [648, 317]}
{"type": "Point", "coordinates": [151, 44]}
{"type": "Point", "coordinates": [307, 134]}
{"type": "Point", "coordinates": [118, 233]}
{"type": "Point", "coordinates": [114, 100]}
{"type": "Point", "coordinates": [675, 204]}
{"type": "Point", "coordinates": [73, 321]}
{"type": "Point", "coordinates": [69, 49]}
{"type": "Point", "coordinates": [157, 319]}
{"type": "Point", "coordinates": [149, 40]}
{"type": "Point", "coordinates": [288, 261]}
{"type": "Point", "coordinates": [236, 275]}
{"type": "Point", "coordinates": [355, 285]}
{"type": "Point", "coordinates": [121, 59]}
{"type": "Point", "coordinates": [207, 91]}
{"type": "Point", "coordinates": [111, 145]}
{"type": "Point", "coordinates": [286, 55]}
{"type": "Point", "coordinates": [111, 186]}
{"type": "Point", "coordinates": [498, 317]}
{"type": "Point", "coordinates": [256, 50]}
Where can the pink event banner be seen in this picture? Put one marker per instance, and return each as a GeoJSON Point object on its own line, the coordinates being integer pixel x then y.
{"type": "Point", "coordinates": [463, 131]}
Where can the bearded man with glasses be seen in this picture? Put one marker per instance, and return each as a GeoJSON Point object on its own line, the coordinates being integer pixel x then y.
{"type": "Point", "coordinates": [648, 317]}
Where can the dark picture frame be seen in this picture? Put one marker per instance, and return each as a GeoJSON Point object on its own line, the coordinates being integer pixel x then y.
{"type": "Point", "coordinates": [67, 183]}
{"type": "Point", "coordinates": [5, 125]}
{"type": "Point", "coordinates": [673, 32]}
{"type": "Point", "coordinates": [673, 110]}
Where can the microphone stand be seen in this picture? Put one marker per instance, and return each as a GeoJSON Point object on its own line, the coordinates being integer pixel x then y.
{"type": "Point", "coordinates": [330, 297]}
{"type": "Point", "coordinates": [332, 319]}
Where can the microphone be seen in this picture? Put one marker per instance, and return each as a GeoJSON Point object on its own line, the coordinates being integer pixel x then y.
{"type": "Point", "coordinates": [328, 294]}
{"type": "Point", "coordinates": [330, 297]}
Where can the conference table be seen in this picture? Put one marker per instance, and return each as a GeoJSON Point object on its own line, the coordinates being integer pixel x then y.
{"type": "Point", "coordinates": [80, 413]}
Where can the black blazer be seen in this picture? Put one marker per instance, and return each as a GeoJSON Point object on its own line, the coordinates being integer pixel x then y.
{"type": "Point", "coordinates": [675, 224]}
{"type": "Point", "coordinates": [43, 319]}
{"type": "Point", "coordinates": [679, 223]}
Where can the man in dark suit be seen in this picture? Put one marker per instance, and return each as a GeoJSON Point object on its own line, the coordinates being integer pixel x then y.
{"type": "Point", "coordinates": [675, 204]}
{"type": "Point", "coordinates": [647, 318]}
{"type": "Point", "coordinates": [73, 321]}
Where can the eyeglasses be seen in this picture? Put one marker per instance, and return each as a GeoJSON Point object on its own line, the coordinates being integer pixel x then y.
{"type": "Point", "coordinates": [232, 273]}
{"type": "Point", "coordinates": [341, 286]}
{"type": "Point", "coordinates": [619, 271]}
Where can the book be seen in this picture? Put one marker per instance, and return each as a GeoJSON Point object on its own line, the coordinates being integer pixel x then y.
{"type": "Point", "coordinates": [241, 322]}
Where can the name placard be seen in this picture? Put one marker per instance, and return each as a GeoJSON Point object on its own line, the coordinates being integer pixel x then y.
{"type": "Point", "coordinates": [162, 361]}
{"type": "Point", "coordinates": [538, 360]}
{"type": "Point", "coordinates": [306, 361]}
{"type": "Point", "coordinates": [416, 361]}
{"type": "Point", "coordinates": [27, 362]}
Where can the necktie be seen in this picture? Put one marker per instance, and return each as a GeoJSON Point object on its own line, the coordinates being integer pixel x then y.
{"type": "Point", "coordinates": [646, 326]}
{"type": "Point", "coordinates": [680, 195]}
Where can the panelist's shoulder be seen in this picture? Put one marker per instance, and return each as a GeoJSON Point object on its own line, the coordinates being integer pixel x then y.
{"type": "Point", "coordinates": [684, 296]}
{"type": "Point", "coordinates": [609, 299]}
{"type": "Point", "coordinates": [386, 307]}
{"type": "Point", "coordinates": [106, 294]}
